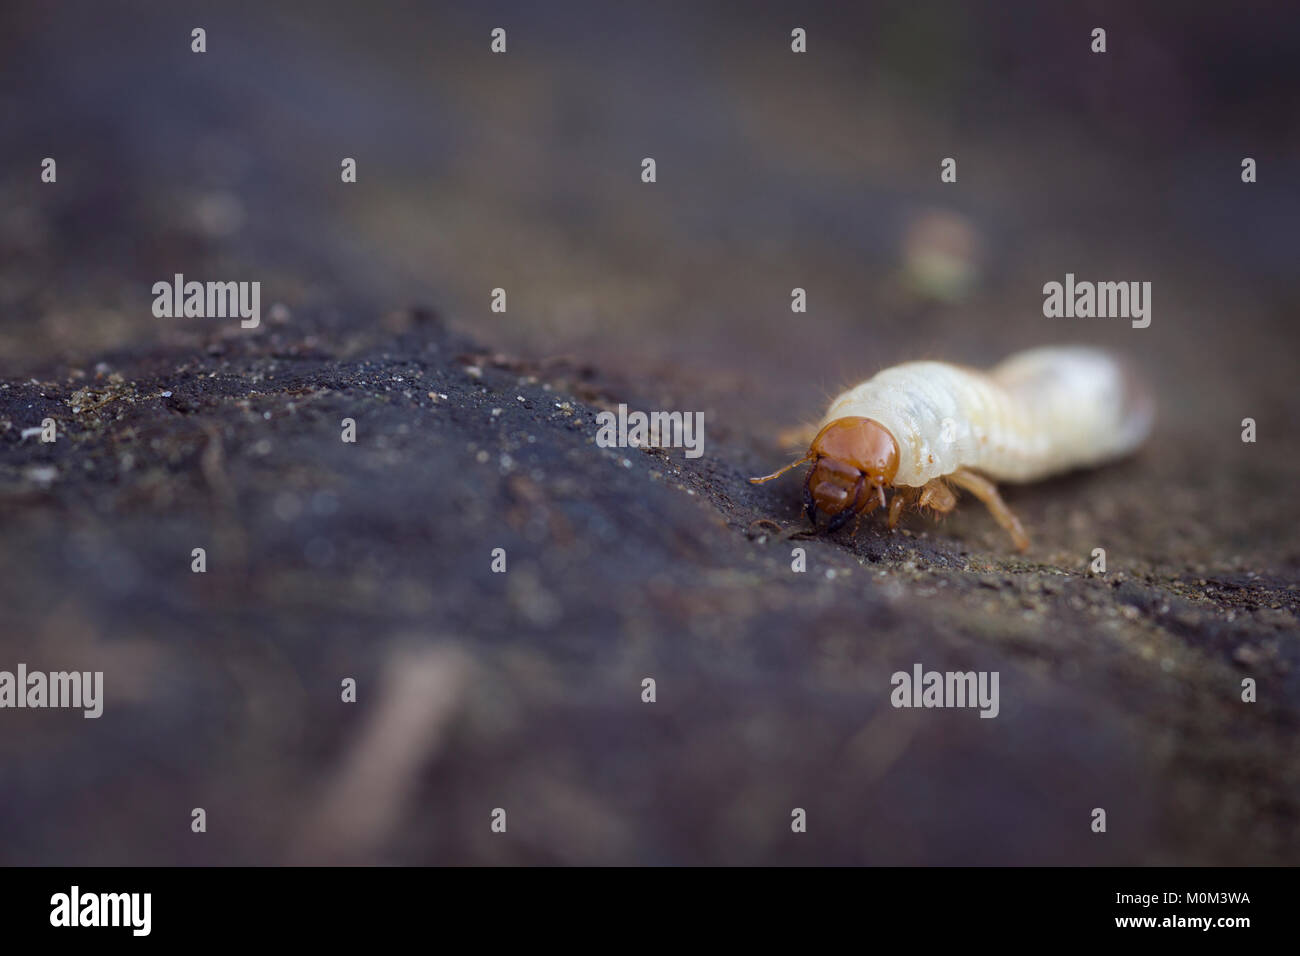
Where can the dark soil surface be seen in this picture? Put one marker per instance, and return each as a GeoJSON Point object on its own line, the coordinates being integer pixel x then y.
{"type": "Point", "coordinates": [475, 430]}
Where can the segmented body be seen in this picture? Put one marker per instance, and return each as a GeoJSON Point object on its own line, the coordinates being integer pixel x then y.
{"type": "Point", "coordinates": [1040, 412]}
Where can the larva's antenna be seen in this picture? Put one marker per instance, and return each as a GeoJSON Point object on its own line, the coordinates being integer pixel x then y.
{"type": "Point", "coordinates": [778, 474]}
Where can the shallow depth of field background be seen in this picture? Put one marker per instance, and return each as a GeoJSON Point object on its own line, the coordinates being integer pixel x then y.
{"type": "Point", "coordinates": [522, 171]}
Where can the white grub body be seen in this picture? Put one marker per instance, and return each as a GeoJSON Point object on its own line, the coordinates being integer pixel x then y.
{"type": "Point", "coordinates": [1040, 412]}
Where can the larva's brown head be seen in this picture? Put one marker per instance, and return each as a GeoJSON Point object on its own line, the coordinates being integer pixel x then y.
{"type": "Point", "coordinates": [853, 460]}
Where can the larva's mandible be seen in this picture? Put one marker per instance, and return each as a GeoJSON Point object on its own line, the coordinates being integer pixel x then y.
{"type": "Point", "coordinates": [918, 426]}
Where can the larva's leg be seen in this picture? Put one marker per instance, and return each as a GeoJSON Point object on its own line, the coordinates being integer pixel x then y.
{"type": "Point", "coordinates": [987, 492]}
{"type": "Point", "coordinates": [903, 498]}
{"type": "Point", "coordinates": [896, 509]}
{"type": "Point", "coordinates": [938, 496]}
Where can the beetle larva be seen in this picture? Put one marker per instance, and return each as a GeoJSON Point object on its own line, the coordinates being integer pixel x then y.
{"type": "Point", "coordinates": [921, 426]}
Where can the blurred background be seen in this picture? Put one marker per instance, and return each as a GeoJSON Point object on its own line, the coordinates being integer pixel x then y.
{"type": "Point", "coordinates": [775, 170]}
{"type": "Point", "coordinates": [523, 171]}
